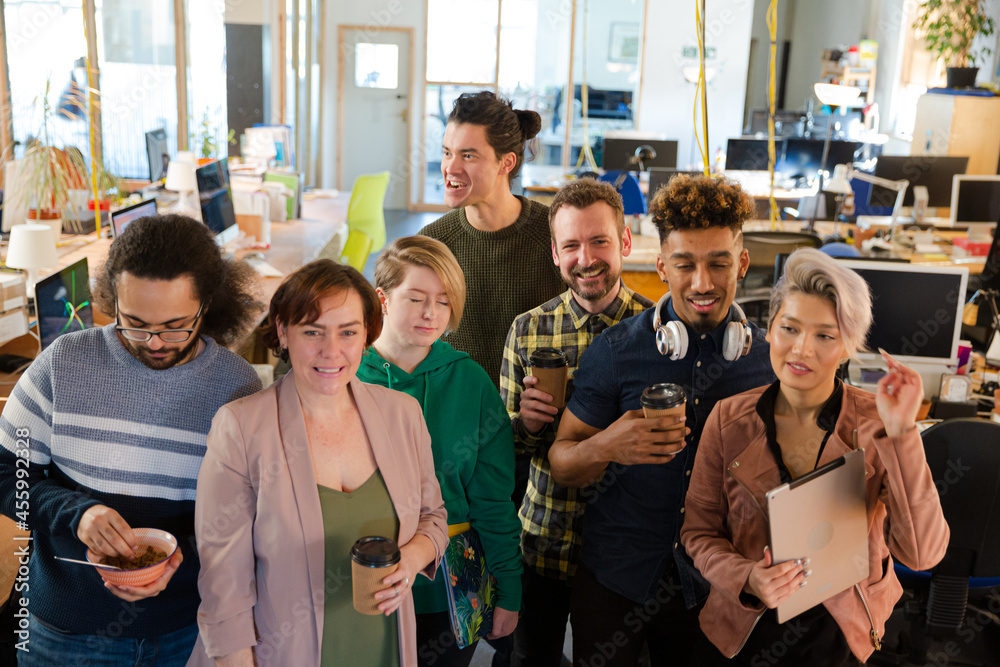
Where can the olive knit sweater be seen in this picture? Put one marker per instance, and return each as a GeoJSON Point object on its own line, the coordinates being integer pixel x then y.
{"type": "Point", "coordinates": [507, 272]}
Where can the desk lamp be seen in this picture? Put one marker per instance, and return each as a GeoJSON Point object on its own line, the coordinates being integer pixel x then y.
{"type": "Point", "coordinates": [833, 96]}
{"type": "Point", "coordinates": [181, 179]}
{"type": "Point", "coordinates": [841, 186]}
{"type": "Point", "coordinates": [31, 248]}
{"type": "Point", "coordinates": [898, 186]}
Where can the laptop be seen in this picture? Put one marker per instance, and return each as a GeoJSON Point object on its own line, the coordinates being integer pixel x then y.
{"type": "Point", "coordinates": [63, 302]}
{"type": "Point", "coordinates": [822, 516]}
{"type": "Point", "coordinates": [122, 217]}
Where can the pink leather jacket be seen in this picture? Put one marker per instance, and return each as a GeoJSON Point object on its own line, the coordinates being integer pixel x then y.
{"type": "Point", "coordinates": [725, 528]}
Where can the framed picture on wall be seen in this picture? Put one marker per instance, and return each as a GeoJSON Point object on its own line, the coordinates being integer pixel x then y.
{"type": "Point", "coordinates": [623, 43]}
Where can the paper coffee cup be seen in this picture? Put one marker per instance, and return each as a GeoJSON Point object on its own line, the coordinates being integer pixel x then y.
{"type": "Point", "coordinates": [372, 560]}
{"type": "Point", "coordinates": [663, 400]}
{"type": "Point", "coordinates": [549, 366]}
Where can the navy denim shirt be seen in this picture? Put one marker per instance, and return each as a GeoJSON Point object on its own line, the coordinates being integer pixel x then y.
{"type": "Point", "coordinates": [632, 523]}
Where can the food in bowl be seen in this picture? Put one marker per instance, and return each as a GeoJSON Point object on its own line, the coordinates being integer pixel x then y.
{"type": "Point", "coordinates": [143, 558]}
{"type": "Point", "coordinates": [160, 540]}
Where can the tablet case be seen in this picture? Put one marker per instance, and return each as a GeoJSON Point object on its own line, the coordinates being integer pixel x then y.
{"type": "Point", "coordinates": [471, 588]}
{"type": "Point", "coordinates": [822, 516]}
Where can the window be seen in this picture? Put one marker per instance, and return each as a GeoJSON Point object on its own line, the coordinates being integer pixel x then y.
{"type": "Point", "coordinates": [376, 66]}
{"type": "Point", "coordinates": [522, 49]}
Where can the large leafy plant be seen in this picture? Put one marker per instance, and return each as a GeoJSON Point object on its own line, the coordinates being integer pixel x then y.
{"type": "Point", "coordinates": [950, 27]}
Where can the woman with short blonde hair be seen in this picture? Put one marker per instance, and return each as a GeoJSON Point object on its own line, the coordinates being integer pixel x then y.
{"type": "Point", "coordinates": [755, 441]}
{"type": "Point", "coordinates": [422, 291]}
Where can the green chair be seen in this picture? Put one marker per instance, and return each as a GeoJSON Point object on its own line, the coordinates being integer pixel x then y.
{"type": "Point", "coordinates": [356, 249]}
{"type": "Point", "coordinates": [364, 212]}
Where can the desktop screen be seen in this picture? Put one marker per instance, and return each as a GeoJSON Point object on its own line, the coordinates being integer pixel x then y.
{"type": "Point", "coordinates": [618, 153]}
{"type": "Point", "coordinates": [975, 199]}
{"type": "Point", "coordinates": [121, 218]}
{"type": "Point", "coordinates": [803, 157]}
{"type": "Point", "coordinates": [63, 303]}
{"type": "Point", "coordinates": [747, 154]}
{"type": "Point", "coordinates": [925, 329]}
{"type": "Point", "coordinates": [613, 104]}
{"type": "Point", "coordinates": [932, 171]}
{"type": "Point", "coordinates": [157, 154]}
{"type": "Point", "coordinates": [217, 200]}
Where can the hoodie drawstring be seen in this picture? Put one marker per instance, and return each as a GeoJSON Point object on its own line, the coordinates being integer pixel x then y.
{"type": "Point", "coordinates": [388, 375]}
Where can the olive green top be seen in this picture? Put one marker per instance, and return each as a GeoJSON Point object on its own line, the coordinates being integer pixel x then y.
{"type": "Point", "coordinates": [351, 638]}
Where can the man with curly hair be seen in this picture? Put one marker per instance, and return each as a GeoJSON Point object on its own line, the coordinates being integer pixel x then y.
{"type": "Point", "coordinates": [106, 431]}
{"type": "Point", "coordinates": [635, 584]}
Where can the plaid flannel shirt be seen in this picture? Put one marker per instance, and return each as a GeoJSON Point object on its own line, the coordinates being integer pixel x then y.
{"type": "Point", "coordinates": [551, 514]}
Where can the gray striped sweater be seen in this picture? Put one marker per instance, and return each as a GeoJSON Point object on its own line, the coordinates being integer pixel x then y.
{"type": "Point", "coordinates": [98, 427]}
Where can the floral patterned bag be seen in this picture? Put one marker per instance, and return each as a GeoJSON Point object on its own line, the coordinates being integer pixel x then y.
{"type": "Point", "coordinates": [471, 587]}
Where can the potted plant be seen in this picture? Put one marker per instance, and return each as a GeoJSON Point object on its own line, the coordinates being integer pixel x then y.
{"type": "Point", "coordinates": [52, 182]}
{"type": "Point", "coordinates": [208, 138]}
{"type": "Point", "coordinates": [46, 176]}
{"type": "Point", "coordinates": [949, 28]}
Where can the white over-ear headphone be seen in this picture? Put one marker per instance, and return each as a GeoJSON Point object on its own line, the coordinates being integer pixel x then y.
{"type": "Point", "coordinates": [672, 337]}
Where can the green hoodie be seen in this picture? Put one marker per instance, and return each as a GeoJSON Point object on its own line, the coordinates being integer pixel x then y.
{"type": "Point", "coordinates": [473, 456]}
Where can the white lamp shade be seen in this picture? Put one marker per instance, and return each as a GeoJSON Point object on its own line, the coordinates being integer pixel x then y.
{"type": "Point", "coordinates": [839, 183]}
{"type": "Point", "coordinates": [834, 95]}
{"type": "Point", "coordinates": [31, 247]}
{"type": "Point", "coordinates": [180, 177]}
{"type": "Point", "coordinates": [185, 156]}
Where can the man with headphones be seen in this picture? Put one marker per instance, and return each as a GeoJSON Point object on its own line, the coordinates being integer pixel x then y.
{"type": "Point", "coordinates": [635, 584]}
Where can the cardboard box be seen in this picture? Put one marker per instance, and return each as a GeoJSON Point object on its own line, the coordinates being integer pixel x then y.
{"type": "Point", "coordinates": [13, 293]}
{"type": "Point", "coordinates": [13, 324]}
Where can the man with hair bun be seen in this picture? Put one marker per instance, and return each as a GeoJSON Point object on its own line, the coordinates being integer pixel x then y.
{"type": "Point", "coordinates": [634, 583]}
{"type": "Point", "coordinates": [501, 240]}
{"type": "Point", "coordinates": [108, 426]}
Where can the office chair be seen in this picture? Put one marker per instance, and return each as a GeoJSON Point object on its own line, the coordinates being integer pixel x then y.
{"type": "Point", "coordinates": [627, 186]}
{"type": "Point", "coordinates": [757, 306]}
{"type": "Point", "coordinates": [764, 248]}
{"type": "Point", "coordinates": [365, 210]}
{"type": "Point", "coordinates": [356, 249]}
{"type": "Point", "coordinates": [964, 457]}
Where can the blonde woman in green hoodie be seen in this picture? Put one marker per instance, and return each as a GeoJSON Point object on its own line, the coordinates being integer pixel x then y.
{"type": "Point", "coordinates": [422, 291]}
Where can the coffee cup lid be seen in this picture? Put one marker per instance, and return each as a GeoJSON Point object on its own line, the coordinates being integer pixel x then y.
{"type": "Point", "coordinates": [375, 551]}
{"type": "Point", "coordinates": [547, 357]}
{"type": "Point", "coordinates": [662, 396]}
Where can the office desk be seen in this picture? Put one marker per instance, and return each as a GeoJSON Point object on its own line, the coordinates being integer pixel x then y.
{"type": "Point", "coordinates": [639, 268]}
{"type": "Point", "coordinates": [293, 244]}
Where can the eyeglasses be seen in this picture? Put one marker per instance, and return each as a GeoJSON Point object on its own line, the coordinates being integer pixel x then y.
{"type": "Point", "coordinates": [166, 335]}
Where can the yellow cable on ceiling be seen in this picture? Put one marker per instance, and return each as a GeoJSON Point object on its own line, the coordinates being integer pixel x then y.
{"type": "Point", "coordinates": [772, 28]}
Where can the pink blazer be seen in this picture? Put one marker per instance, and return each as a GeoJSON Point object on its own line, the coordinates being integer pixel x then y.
{"type": "Point", "coordinates": [259, 523]}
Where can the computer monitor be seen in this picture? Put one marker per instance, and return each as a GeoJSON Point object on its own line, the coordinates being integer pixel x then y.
{"type": "Point", "coordinates": [612, 104]}
{"type": "Point", "coordinates": [975, 199]}
{"type": "Point", "coordinates": [157, 154]}
{"type": "Point", "coordinates": [786, 123]}
{"type": "Point", "coordinates": [802, 158]}
{"type": "Point", "coordinates": [935, 172]}
{"type": "Point", "coordinates": [63, 303]}
{"type": "Point", "coordinates": [660, 176]}
{"type": "Point", "coordinates": [914, 330]}
{"type": "Point", "coordinates": [747, 154]}
{"type": "Point", "coordinates": [122, 217]}
{"type": "Point", "coordinates": [217, 200]}
{"type": "Point", "coordinates": [619, 152]}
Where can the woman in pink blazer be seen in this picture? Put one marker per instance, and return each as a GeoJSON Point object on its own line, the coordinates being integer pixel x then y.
{"type": "Point", "coordinates": [274, 461]}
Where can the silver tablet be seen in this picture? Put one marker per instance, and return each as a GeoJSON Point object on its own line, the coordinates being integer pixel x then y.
{"type": "Point", "coordinates": [822, 516]}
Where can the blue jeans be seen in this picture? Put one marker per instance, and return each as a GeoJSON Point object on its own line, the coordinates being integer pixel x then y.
{"type": "Point", "coordinates": [48, 646]}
